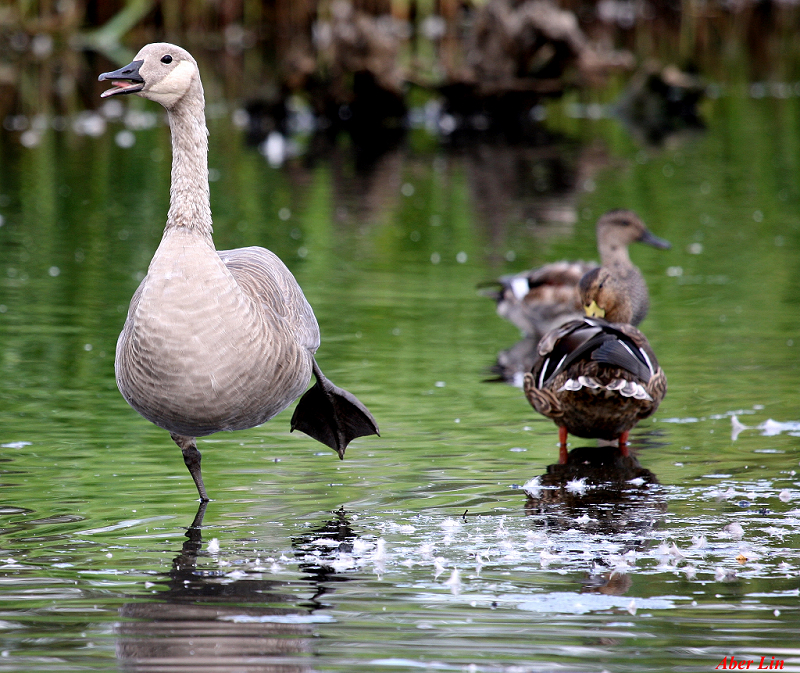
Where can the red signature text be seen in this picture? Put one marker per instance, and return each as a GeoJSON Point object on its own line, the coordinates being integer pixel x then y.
{"type": "Point", "coordinates": [731, 662]}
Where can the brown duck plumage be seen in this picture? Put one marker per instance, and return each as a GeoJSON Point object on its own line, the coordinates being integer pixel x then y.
{"type": "Point", "coordinates": [216, 340]}
{"type": "Point", "coordinates": [544, 298]}
{"type": "Point", "coordinates": [597, 378]}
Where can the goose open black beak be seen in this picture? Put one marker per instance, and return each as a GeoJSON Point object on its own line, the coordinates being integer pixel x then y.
{"type": "Point", "coordinates": [125, 80]}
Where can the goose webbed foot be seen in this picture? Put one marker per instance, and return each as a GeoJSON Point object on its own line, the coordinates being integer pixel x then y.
{"type": "Point", "coordinates": [191, 456]}
{"type": "Point", "coordinates": [332, 415]}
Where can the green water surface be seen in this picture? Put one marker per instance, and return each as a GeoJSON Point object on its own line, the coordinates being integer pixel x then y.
{"type": "Point", "coordinates": [417, 552]}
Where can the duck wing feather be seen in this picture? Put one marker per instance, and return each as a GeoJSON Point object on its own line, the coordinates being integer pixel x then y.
{"type": "Point", "coordinates": [615, 344]}
{"type": "Point", "coordinates": [619, 354]}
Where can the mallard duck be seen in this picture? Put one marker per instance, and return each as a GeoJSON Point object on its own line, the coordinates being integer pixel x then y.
{"type": "Point", "coordinates": [216, 340]}
{"type": "Point", "coordinates": [597, 378]}
{"type": "Point", "coordinates": [544, 298]}
{"type": "Point", "coordinates": [610, 295]}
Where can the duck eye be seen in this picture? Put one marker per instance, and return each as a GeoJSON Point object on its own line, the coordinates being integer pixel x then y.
{"type": "Point", "coordinates": [166, 58]}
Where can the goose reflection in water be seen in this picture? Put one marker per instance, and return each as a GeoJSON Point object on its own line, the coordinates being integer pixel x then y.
{"type": "Point", "coordinates": [204, 620]}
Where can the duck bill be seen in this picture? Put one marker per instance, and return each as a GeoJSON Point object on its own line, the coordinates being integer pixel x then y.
{"type": "Point", "coordinates": [651, 239]}
{"type": "Point", "coordinates": [594, 311]}
{"type": "Point", "coordinates": [125, 80]}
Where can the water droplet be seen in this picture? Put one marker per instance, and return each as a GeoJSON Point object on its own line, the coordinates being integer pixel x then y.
{"type": "Point", "coordinates": [125, 139]}
{"type": "Point", "coordinates": [30, 138]}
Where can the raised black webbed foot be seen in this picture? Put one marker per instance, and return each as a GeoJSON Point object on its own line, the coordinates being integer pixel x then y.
{"type": "Point", "coordinates": [332, 415]}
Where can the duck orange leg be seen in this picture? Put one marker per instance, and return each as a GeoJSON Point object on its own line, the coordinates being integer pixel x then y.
{"type": "Point", "coordinates": [563, 454]}
{"type": "Point", "coordinates": [623, 443]}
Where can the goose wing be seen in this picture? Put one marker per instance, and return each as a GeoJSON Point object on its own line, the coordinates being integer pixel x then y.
{"type": "Point", "coordinates": [265, 277]}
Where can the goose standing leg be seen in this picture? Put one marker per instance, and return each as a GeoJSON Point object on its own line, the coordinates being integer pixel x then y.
{"type": "Point", "coordinates": [252, 333]}
{"type": "Point", "coordinates": [191, 456]}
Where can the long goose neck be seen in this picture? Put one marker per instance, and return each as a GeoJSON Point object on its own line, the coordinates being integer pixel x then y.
{"type": "Point", "coordinates": [189, 204]}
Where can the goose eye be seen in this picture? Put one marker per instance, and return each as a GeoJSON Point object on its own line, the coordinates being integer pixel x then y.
{"type": "Point", "coordinates": [166, 58]}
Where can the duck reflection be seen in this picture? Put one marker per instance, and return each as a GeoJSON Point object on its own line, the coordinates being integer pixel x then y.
{"type": "Point", "coordinates": [599, 490]}
{"type": "Point", "coordinates": [207, 620]}
{"type": "Point", "coordinates": [513, 362]}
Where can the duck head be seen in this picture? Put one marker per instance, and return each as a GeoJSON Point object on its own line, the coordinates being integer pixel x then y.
{"type": "Point", "coordinates": [604, 295]}
{"type": "Point", "coordinates": [617, 229]}
{"type": "Point", "coordinates": [160, 72]}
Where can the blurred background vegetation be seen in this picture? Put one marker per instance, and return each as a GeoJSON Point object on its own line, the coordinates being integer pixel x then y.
{"type": "Point", "coordinates": [364, 64]}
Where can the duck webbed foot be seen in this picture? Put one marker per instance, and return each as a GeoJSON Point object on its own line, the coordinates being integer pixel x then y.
{"type": "Point", "coordinates": [332, 415]}
{"type": "Point", "coordinates": [191, 456]}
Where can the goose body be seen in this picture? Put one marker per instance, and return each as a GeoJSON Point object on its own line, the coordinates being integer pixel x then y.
{"type": "Point", "coordinates": [205, 330]}
{"type": "Point", "coordinates": [216, 340]}
{"type": "Point", "coordinates": [546, 297]}
{"type": "Point", "coordinates": [597, 378]}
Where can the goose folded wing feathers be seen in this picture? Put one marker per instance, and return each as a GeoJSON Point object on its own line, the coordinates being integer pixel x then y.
{"type": "Point", "coordinates": [262, 274]}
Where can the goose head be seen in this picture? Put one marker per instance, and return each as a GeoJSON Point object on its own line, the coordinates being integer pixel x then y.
{"type": "Point", "coordinates": [160, 72]}
{"type": "Point", "coordinates": [604, 295]}
{"type": "Point", "coordinates": [619, 228]}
